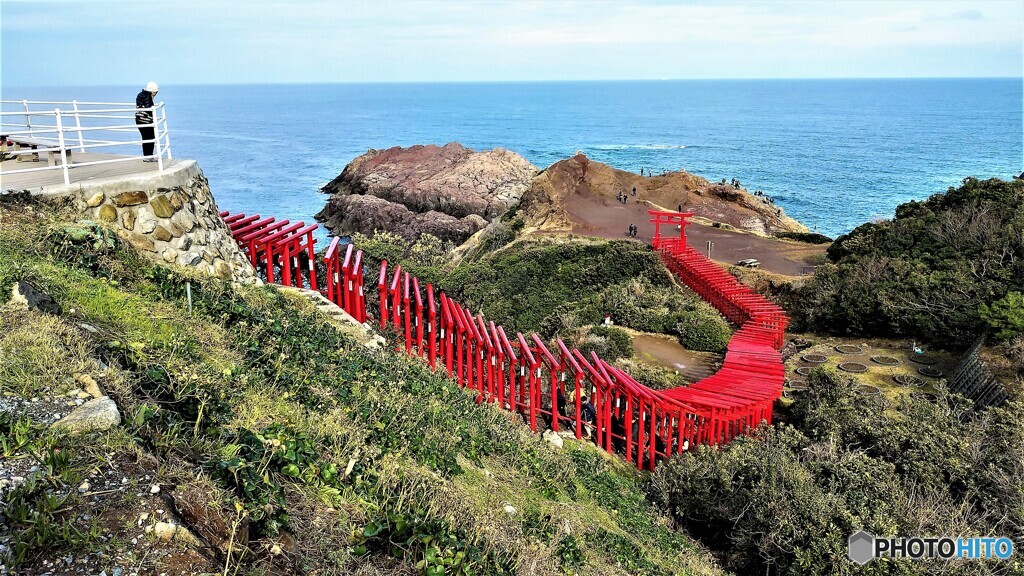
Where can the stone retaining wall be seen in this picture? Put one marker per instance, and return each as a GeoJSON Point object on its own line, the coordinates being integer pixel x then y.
{"type": "Point", "coordinates": [170, 217]}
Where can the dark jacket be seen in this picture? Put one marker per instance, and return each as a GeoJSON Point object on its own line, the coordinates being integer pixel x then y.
{"type": "Point", "coordinates": [144, 100]}
{"type": "Point", "coordinates": [588, 413]}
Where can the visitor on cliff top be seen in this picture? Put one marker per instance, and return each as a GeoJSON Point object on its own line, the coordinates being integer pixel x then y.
{"type": "Point", "coordinates": [144, 119]}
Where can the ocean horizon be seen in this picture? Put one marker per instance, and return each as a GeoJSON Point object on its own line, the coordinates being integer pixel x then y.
{"type": "Point", "coordinates": [833, 152]}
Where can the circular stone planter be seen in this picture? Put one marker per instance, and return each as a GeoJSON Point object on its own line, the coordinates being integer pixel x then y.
{"type": "Point", "coordinates": [853, 367]}
{"type": "Point", "coordinates": [849, 349]}
{"type": "Point", "coordinates": [803, 370]}
{"type": "Point", "coordinates": [797, 385]}
{"type": "Point", "coordinates": [908, 381]}
{"type": "Point", "coordinates": [868, 390]}
{"type": "Point", "coordinates": [814, 358]}
{"type": "Point", "coordinates": [886, 360]}
{"type": "Point", "coordinates": [930, 371]}
{"type": "Point", "coordinates": [923, 360]}
{"type": "Point", "coordinates": [924, 396]}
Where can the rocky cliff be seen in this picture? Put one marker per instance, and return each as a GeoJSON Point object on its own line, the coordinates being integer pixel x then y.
{"type": "Point", "coordinates": [568, 191]}
{"type": "Point", "coordinates": [448, 191]}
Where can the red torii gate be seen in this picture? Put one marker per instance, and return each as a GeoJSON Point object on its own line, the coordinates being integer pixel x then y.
{"type": "Point", "coordinates": [659, 217]}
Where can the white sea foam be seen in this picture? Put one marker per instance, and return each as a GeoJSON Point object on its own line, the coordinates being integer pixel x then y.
{"type": "Point", "coordinates": [638, 147]}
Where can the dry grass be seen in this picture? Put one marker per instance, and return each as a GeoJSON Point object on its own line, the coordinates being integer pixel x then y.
{"type": "Point", "coordinates": [40, 353]}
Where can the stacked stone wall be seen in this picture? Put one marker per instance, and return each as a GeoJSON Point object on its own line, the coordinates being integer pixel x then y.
{"type": "Point", "coordinates": [171, 218]}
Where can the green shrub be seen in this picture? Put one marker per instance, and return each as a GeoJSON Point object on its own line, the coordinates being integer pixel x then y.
{"type": "Point", "coordinates": [608, 342]}
{"type": "Point", "coordinates": [1006, 316]}
{"type": "Point", "coordinates": [699, 330]}
{"type": "Point", "coordinates": [646, 306]}
{"type": "Point", "coordinates": [808, 237]}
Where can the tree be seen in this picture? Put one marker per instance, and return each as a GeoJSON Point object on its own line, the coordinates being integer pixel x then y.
{"type": "Point", "coordinates": [1005, 316]}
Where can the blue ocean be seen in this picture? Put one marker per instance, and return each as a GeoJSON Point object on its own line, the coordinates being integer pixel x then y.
{"type": "Point", "coordinates": [833, 153]}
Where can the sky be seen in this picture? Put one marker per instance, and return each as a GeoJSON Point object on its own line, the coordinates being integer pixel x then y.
{"type": "Point", "coordinates": [127, 42]}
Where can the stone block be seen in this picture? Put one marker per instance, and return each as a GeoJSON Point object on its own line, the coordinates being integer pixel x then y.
{"type": "Point", "coordinates": [190, 259]}
{"type": "Point", "coordinates": [162, 206]}
{"type": "Point", "coordinates": [162, 234]}
{"type": "Point", "coordinates": [175, 199]}
{"type": "Point", "coordinates": [185, 219]}
{"type": "Point", "coordinates": [141, 242]}
{"type": "Point", "coordinates": [96, 414]}
{"type": "Point", "coordinates": [128, 219]}
{"type": "Point", "coordinates": [170, 255]}
{"type": "Point", "coordinates": [221, 269]}
{"type": "Point", "coordinates": [147, 221]}
{"type": "Point", "coordinates": [132, 198]}
{"type": "Point", "coordinates": [95, 200]}
{"type": "Point", "coordinates": [108, 213]}
{"type": "Point", "coordinates": [174, 229]}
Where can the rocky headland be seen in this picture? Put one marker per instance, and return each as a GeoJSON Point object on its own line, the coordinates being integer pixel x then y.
{"type": "Point", "coordinates": [447, 191]}
{"type": "Point", "coordinates": [570, 191]}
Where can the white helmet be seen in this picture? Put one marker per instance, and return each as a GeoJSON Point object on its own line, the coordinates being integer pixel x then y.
{"type": "Point", "coordinates": [152, 87]}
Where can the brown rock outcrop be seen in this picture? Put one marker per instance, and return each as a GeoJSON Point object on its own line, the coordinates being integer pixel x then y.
{"type": "Point", "coordinates": [448, 191]}
{"type": "Point", "coordinates": [567, 190]}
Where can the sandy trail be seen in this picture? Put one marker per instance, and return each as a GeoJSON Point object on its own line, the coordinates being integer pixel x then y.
{"type": "Point", "coordinates": [606, 218]}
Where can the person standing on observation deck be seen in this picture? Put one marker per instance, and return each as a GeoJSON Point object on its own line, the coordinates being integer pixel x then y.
{"type": "Point", "coordinates": [144, 119]}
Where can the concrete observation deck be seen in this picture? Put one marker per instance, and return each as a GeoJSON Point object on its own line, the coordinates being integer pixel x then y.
{"type": "Point", "coordinates": [51, 182]}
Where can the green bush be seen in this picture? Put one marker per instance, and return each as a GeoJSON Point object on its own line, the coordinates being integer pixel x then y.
{"type": "Point", "coordinates": [608, 342]}
{"type": "Point", "coordinates": [808, 237]}
{"type": "Point", "coordinates": [1006, 316]}
{"type": "Point", "coordinates": [700, 330]}
{"type": "Point", "coordinates": [646, 306]}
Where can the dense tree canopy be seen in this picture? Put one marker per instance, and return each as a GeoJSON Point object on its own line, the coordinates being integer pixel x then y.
{"type": "Point", "coordinates": [928, 272]}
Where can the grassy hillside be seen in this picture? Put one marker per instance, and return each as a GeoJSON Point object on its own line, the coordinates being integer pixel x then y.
{"type": "Point", "coordinates": [278, 444]}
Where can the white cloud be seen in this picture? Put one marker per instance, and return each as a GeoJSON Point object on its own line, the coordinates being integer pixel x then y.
{"type": "Point", "coordinates": [322, 40]}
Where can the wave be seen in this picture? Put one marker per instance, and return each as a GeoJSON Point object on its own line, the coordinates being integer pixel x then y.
{"type": "Point", "coordinates": [638, 147]}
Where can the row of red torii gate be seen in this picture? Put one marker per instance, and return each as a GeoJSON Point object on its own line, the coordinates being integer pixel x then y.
{"type": "Point", "coordinates": [545, 384]}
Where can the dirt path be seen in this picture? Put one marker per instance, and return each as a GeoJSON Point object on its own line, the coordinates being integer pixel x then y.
{"type": "Point", "coordinates": [594, 216]}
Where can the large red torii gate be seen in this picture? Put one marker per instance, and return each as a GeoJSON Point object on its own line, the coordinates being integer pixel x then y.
{"type": "Point", "coordinates": [659, 217]}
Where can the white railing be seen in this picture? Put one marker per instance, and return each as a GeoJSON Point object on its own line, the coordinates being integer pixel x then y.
{"type": "Point", "coordinates": [29, 128]}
